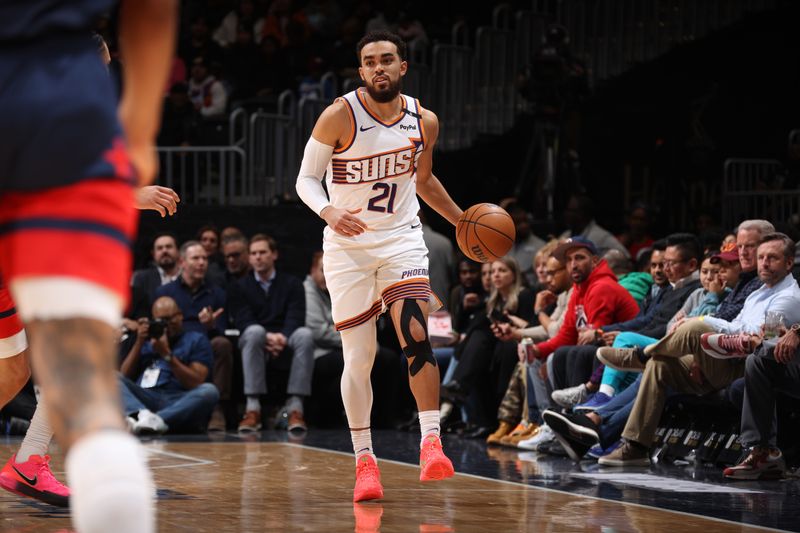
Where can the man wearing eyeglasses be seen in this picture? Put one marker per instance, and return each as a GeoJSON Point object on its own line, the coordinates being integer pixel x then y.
{"type": "Point", "coordinates": [234, 251]}
{"type": "Point", "coordinates": [166, 377]}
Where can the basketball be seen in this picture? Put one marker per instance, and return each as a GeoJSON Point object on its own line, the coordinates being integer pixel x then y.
{"type": "Point", "coordinates": [485, 232]}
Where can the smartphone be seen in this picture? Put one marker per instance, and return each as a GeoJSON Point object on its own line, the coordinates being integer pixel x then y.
{"type": "Point", "coordinates": [498, 316]}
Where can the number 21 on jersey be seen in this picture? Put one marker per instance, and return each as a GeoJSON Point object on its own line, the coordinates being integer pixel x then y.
{"type": "Point", "coordinates": [379, 202]}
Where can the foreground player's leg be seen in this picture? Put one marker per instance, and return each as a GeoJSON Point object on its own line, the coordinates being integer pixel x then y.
{"type": "Point", "coordinates": [74, 362]}
{"type": "Point", "coordinates": [359, 345]}
{"type": "Point", "coordinates": [14, 373]}
{"type": "Point", "coordinates": [411, 323]}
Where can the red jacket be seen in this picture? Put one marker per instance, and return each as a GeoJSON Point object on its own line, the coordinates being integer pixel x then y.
{"type": "Point", "coordinates": [599, 301]}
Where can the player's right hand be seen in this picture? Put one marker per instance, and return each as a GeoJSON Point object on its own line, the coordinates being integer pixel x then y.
{"type": "Point", "coordinates": [343, 222]}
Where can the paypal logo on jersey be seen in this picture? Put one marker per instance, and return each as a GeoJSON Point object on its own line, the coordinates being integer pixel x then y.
{"type": "Point", "coordinates": [408, 128]}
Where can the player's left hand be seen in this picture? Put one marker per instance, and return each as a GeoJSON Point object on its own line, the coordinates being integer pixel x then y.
{"type": "Point", "coordinates": [158, 198]}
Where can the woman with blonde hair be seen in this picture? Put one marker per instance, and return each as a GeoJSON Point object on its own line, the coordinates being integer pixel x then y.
{"type": "Point", "coordinates": [485, 363]}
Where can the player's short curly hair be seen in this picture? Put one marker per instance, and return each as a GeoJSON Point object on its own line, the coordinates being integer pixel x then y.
{"type": "Point", "coordinates": [382, 35]}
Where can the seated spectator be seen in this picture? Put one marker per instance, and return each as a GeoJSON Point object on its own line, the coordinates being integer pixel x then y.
{"type": "Point", "coordinates": [282, 16]}
{"type": "Point", "coordinates": [636, 283]}
{"type": "Point", "coordinates": [680, 260]}
{"type": "Point", "coordinates": [165, 267]}
{"type": "Point", "coordinates": [166, 376]}
{"type": "Point", "coordinates": [244, 16]}
{"type": "Point", "coordinates": [466, 297]}
{"type": "Point", "coordinates": [329, 358]}
{"type": "Point", "coordinates": [706, 299]}
{"type": "Point", "coordinates": [272, 76]}
{"type": "Point", "coordinates": [411, 30]}
{"type": "Point", "coordinates": [679, 361]}
{"type": "Point", "coordinates": [579, 217]}
{"type": "Point", "coordinates": [526, 244]}
{"type": "Point", "coordinates": [202, 306]}
{"type": "Point", "coordinates": [748, 235]}
{"type": "Point", "coordinates": [206, 93]}
{"type": "Point", "coordinates": [228, 232]}
{"type": "Point", "coordinates": [773, 368]}
{"type": "Point", "coordinates": [602, 428]}
{"type": "Point", "coordinates": [208, 236]}
{"type": "Point", "coordinates": [242, 61]}
{"type": "Point", "coordinates": [234, 250]}
{"type": "Point", "coordinates": [199, 43]}
{"type": "Point", "coordinates": [269, 309]}
{"type": "Point", "coordinates": [481, 352]}
{"type": "Point", "coordinates": [597, 300]}
{"type": "Point", "coordinates": [178, 118]}
{"type": "Point", "coordinates": [324, 17]}
{"type": "Point", "coordinates": [637, 236]}
{"type": "Point", "coordinates": [512, 409]}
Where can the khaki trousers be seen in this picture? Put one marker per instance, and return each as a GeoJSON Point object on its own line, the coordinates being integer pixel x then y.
{"type": "Point", "coordinates": [668, 370]}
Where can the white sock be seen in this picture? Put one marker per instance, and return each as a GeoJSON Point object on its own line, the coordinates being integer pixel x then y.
{"type": "Point", "coordinates": [428, 423]}
{"type": "Point", "coordinates": [37, 438]}
{"type": "Point", "coordinates": [253, 404]}
{"type": "Point", "coordinates": [362, 442]}
{"type": "Point", "coordinates": [608, 390]}
{"type": "Point", "coordinates": [111, 488]}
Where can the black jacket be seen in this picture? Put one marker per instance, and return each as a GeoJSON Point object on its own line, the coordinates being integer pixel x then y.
{"type": "Point", "coordinates": [282, 310]}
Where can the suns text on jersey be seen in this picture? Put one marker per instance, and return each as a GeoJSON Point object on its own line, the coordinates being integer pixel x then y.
{"type": "Point", "coordinates": [377, 167]}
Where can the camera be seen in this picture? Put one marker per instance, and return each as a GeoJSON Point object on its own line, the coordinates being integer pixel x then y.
{"type": "Point", "coordinates": [156, 328]}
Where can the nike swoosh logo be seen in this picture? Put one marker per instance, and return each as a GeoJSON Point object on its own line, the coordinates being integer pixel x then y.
{"type": "Point", "coordinates": [362, 128]}
{"type": "Point", "coordinates": [30, 481]}
{"type": "Point", "coordinates": [415, 227]}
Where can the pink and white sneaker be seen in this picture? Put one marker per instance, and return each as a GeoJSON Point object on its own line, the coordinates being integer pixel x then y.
{"type": "Point", "coordinates": [434, 464]}
{"type": "Point", "coordinates": [723, 346]}
{"type": "Point", "coordinates": [34, 479]}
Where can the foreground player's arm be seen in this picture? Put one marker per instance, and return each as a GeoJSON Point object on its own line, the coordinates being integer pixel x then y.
{"type": "Point", "coordinates": [147, 43]}
{"type": "Point", "coordinates": [329, 133]}
{"type": "Point", "coordinates": [429, 188]}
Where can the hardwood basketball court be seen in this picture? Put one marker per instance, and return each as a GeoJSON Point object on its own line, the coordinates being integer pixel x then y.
{"type": "Point", "coordinates": [236, 485]}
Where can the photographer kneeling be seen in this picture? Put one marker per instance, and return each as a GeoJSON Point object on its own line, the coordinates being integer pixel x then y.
{"type": "Point", "coordinates": [166, 376]}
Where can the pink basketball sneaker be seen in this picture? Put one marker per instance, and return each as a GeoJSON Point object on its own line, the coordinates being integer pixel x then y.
{"type": "Point", "coordinates": [368, 480]}
{"type": "Point", "coordinates": [434, 464]}
{"type": "Point", "coordinates": [34, 478]}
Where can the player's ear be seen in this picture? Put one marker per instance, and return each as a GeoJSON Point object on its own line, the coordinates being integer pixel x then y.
{"type": "Point", "coordinates": [361, 74]}
{"type": "Point", "coordinates": [403, 67]}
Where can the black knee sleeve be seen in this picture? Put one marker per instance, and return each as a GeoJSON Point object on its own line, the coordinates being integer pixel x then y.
{"type": "Point", "coordinates": [421, 351]}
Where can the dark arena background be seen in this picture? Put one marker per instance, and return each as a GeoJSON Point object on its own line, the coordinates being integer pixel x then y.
{"type": "Point", "coordinates": [655, 122]}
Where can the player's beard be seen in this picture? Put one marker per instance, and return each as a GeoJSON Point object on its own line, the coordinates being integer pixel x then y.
{"type": "Point", "coordinates": [386, 95]}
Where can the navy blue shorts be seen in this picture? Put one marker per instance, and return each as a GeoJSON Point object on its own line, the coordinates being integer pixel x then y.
{"type": "Point", "coordinates": [58, 114]}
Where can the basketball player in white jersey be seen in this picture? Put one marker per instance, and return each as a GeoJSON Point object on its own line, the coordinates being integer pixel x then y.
{"type": "Point", "coordinates": [376, 146]}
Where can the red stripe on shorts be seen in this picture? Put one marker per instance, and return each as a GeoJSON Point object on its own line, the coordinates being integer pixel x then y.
{"type": "Point", "coordinates": [83, 230]}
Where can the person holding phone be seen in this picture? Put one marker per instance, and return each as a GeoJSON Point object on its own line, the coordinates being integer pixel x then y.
{"type": "Point", "coordinates": [483, 354]}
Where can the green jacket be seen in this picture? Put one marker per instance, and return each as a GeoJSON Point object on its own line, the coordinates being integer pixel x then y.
{"type": "Point", "coordinates": [636, 283]}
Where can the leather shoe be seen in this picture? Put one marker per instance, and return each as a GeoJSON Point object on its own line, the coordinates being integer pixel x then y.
{"type": "Point", "coordinates": [296, 423]}
{"type": "Point", "coordinates": [453, 393]}
{"type": "Point", "coordinates": [480, 432]}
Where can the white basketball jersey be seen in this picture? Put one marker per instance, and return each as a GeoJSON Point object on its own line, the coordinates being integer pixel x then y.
{"type": "Point", "coordinates": [376, 169]}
